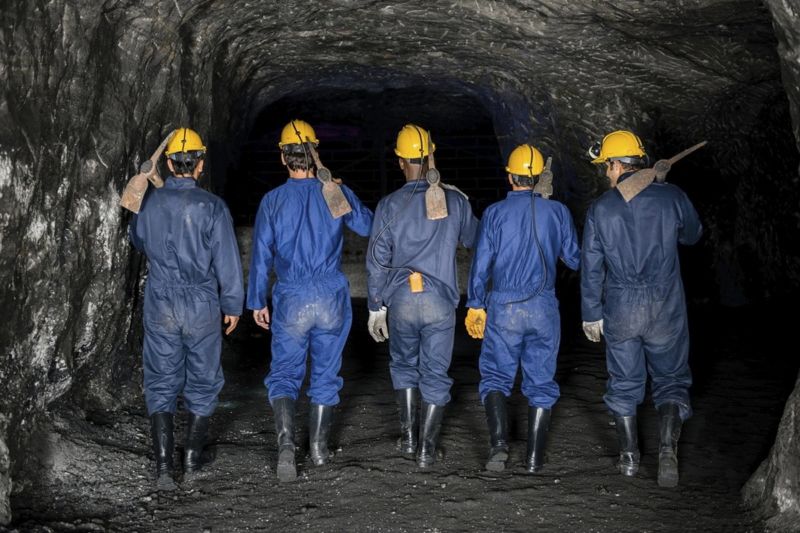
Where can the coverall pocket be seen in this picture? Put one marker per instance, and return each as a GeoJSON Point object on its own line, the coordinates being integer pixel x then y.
{"type": "Point", "coordinates": [205, 312]}
{"type": "Point", "coordinates": [158, 315]}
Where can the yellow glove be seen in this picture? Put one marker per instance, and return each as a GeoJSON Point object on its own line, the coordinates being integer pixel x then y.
{"type": "Point", "coordinates": [475, 322]}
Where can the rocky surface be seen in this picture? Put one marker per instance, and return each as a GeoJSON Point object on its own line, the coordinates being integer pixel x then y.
{"type": "Point", "coordinates": [98, 473]}
{"type": "Point", "coordinates": [90, 88]}
{"type": "Point", "coordinates": [774, 489]}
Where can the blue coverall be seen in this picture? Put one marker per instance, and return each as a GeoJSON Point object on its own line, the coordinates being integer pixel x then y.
{"type": "Point", "coordinates": [421, 325]}
{"type": "Point", "coordinates": [630, 278]}
{"type": "Point", "coordinates": [194, 273]}
{"type": "Point", "coordinates": [522, 318]}
{"type": "Point", "coordinates": [296, 234]}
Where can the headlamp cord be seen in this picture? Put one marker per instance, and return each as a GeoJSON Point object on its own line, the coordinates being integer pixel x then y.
{"type": "Point", "coordinates": [303, 146]}
{"type": "Point", "coordinates": [535, 231]}
{"type": "Point", "coordinates": [408, 199]}
{"type": "Point", "coordinates": [535, 235]}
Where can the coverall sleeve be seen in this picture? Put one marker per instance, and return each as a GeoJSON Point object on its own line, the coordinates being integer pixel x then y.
{"type": "Point", "coordinates": [261, 259]}
{"type": "Point", "coordinates": [136, 241]}
{"type": "Point", "coordinates": [593, 271]}
{"type": "Point", "coordinates": [227, 263]}
{"type": "Point", "coordinates": [570, 253]}
{"type": "Point", "coordinates": [133, 225]}
{"type": "Point", "coordinates": [360, 218]}
{"type": "Point", "coordinates": [481, 267]}
{"type": "Point", "coordinates": [469, 226]}
{"type": "Point", "coordinates": [379, 252]}
{"type": "Point", "coordinates": [691, 229]}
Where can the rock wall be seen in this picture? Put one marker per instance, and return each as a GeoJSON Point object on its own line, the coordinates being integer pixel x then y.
{"type": "Point", "coordinates": [90, 88]}
{"type": "Point", "coordinates": [774, 490]}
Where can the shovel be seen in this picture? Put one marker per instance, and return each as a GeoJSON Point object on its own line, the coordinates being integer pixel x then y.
{"type": "Point", "coordinates": [148, 172]}
{"type": "Point", "coordinates": [435, 200]}
{"type": "Point", "coordinates": [641, 179]}
{"type": "Point", "coordinates": [331, 192]}
{"type": "Point", "coordinates": [545, 184]}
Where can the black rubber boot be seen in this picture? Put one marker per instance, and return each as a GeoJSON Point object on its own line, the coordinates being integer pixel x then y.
{"type": "Point", "coordinates": [497, 420]}
{"type": "Point", "coordinates": [670, 430]}
{"type": "Point", "coordinates": [538, 427]}
{"type": "Point", "coordinates": [196, 432]}
{"type": "Point", "coordinates": [283, 409]}
{"type": "Point", "coordinates": [429, 428]}
{"type": "Point", "coordinates": [319, 428]}
{"type": "Point", "coordinates": [627, 434]}
{"type": "Point", "coordinates": [162, 431]}
{"type": "Point", "coordinates": [408, 404]}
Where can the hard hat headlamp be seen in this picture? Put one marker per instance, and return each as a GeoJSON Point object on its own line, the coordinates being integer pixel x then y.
{"type": "Point", "coordinates": [594, 150]}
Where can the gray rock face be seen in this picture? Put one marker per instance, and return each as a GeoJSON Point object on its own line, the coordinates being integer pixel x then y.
{"type": "Point", "coordinates": [90, 89]}
{"type": "Point", "coordinates": [774, 489]}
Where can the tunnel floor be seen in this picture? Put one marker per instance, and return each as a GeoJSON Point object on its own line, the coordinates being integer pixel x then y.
{"type": "Point", "coordinates": [100, 477]}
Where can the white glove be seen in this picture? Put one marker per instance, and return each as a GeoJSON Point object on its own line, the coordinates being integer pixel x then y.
{"type": "Point", "coordinates": [593, 330]}
{"type": "Point", "coordinates": [377, 325]}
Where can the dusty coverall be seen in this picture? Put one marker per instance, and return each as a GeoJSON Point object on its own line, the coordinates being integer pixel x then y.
{"type": "Point", "coordinates": [296, 234]}
{"type": "Point", "coordinates": [630, 278]}
{"type": "Point", "coordinates": [421, 325]}
{"type": "Point", "coordinates": [523, 324]}
{"type": "Point", "coordinates": [194, 273]}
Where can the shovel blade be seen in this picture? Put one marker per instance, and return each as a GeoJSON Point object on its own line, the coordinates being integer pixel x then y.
{"type": "Point", "coordinates": [335, 199]}
{"type": "Point", "coordinates": [636, 183]}
{"type": "Point", "coordinates": [133, 194]}
{"type": "Point", "coordinates": [155, 179]}
{"type": "Point", "coordinates": [545, 184]}
{"type": "Point", "coordinates": [435, 203]}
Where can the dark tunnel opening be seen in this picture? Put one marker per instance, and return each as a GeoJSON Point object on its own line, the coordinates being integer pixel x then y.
{"type": "Point", "coordinates": [357, 131]}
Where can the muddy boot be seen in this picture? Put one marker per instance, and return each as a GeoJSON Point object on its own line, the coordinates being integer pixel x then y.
{"type": "Point", "coordinates": [497, 419]}
{"type": "Point", "coordinates": [196, 431]}
{"type": "Point", "coordinates": [538, 427]}
{"type": "Point", "coordinates": [628, 438]}
{"type": "Point", "coordinates": [283, 410]}
{"type": "Point", "coordinates": [319, 427]}
{"type": "Point", "coordinates": [408, 404]}
{"type": "Point", "coordinates": [670, 429]}
{"type": "Point", "coordinates": [429, 428]}
{"type": "Point", "coordinates": [161, 429]}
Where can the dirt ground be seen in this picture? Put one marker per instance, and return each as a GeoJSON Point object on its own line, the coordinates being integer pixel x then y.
{"type": "Point", "coordinates": [99, 474]}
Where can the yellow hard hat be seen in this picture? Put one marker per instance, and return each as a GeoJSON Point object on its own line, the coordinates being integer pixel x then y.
{"type": "Point", "coordinates": [184, 140]}
{"type": "Point", "coordinates": [620, 144]}
{"type": "Point", "coordinates": [413, 142]}
{"type": "Point", "coordinates": [298, 132]}
{"type": "Point", "coordinates": [525, 160]}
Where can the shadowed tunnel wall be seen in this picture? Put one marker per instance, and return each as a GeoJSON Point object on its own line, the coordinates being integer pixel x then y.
{"type": "Point", "coordinates": [90, 88]}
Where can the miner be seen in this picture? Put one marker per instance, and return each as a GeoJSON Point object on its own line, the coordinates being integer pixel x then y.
{"type": "Point", "coordinates": [520, 241]}
{"type": "Point", "coordinates": [411, 269]}
{"type": "Point", "coordinates": [297, 235]}
{"type": "Point", "coordinates": [194, 277]}
{"type": "Point", "coordinates": [632, 294]}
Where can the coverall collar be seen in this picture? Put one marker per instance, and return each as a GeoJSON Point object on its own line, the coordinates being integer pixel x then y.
{"type": "Point", "coordinates": [625, 176]}
{"type": "Point", "coordinates": [174, 182]}
{"type": "Point", "coordinates": [422, 182]}
{"type": "Point", "coordinates": [302, 181]}
{"type": "Point", "coordinates": [521, 193]}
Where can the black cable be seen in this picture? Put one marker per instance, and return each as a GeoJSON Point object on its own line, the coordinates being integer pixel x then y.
{"type": "Point", "coordinates": [397, 213]}
{"type": "Point", "coordinates": [535, 231]}
{"type": "Point", "coordinates": [538, 244]}
{"type": "Point", "coordinates": [535, 234]}
{"type": "Point", "coordinates": [303, 146]}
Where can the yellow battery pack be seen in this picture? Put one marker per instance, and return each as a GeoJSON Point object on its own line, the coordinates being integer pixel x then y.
{"type": "Point", "coordinates": [415, 282]}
